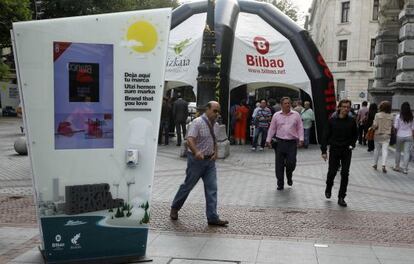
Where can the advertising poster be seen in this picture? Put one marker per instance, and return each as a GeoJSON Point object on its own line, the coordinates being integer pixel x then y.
{"type": "Point", "coordinates": [9, 96]}
{"type": "Point", "coordinates": [92, 93]}
{"type": "Point", "coordinates": [83, 89]}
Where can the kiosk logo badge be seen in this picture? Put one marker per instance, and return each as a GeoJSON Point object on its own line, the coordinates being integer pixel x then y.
{"type": "Point", "coordinates": [57, 245]}
{"type": "Point", "coordinates": [74, 241]}
{"type": "Point", "coordinates": [261, 44]}
{"type": "Point", "coordinates": [178, 49]}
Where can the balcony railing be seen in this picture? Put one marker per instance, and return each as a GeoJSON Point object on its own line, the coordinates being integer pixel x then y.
{"type": "Point", "coordinates": [351, 65]}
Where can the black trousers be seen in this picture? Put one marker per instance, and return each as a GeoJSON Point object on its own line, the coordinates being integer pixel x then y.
{"type": "Point", "coordinates": [178, 127]}
{"type": "Point", "coordinates": [164, 129]}
{"type": "Point", "coordinates": [339, 155]}
{"type": "Point", "coordinates": [285, 155]}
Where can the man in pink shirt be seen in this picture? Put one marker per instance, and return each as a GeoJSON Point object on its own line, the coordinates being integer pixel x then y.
{"type": "Point", "coordinates": [286, 129]}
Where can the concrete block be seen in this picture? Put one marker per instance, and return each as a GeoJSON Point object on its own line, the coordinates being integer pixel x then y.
{"type": "Point", "coordinates": [223, 149]}
{"type": "Point", "coordinates": [406, 47]}
{"type": "Point", "coordinates": [406, 31]}
{"type": "Point", "coordinates": [398, 99]}
{"type": "Point", "coordinates": [384, 73]}
{"type": "Point", "coordinates": [222, 134]}
{"type": "Point", "coordinates": [405, 63]}
{"type": "Point", "coordinates": [385, 59]}
{"type": "Point", "coordinates": [406, 76]}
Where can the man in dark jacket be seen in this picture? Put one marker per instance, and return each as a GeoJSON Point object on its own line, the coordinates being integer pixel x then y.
{"type": "Point", "coordinates": [341, 135]}
{"type": "Point", "coordinates": [180, 114]}
{"type": "Point", "coordinates": [165, 120]}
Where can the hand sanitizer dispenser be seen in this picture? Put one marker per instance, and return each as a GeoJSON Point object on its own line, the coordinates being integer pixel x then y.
{"type": "Point", "coordinates": [132, 157]}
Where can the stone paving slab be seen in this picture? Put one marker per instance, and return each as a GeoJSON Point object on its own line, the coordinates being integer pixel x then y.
{"type": "Point", "coordinates": [247, 179]}
{"type": "Point", "coordinates": [183, 248]}
{"type": "Point", "coordinates": [325, 225]}
{"type": "Point", "coordinates": [14, 241]}
{"type": "Point", "coordinates": [17, 211]}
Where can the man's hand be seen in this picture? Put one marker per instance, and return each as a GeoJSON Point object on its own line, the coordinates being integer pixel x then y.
{"type": "Point", "coordinates": [300, 144]}
{"type": "Point", "coordinates": [214, 157]}
{"type": "Point", "coordinates": [268, 144]}
{"type": "Point", "coordinates": [324, 157]}
{"type": "Point", "coordinates": [199, 155]}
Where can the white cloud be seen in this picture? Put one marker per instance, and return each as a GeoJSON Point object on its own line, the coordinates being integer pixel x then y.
{"type": "Point", "coordinates": [131, 43]}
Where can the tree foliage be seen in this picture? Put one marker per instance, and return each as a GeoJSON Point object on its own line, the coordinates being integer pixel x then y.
{"type": "Point", "coordinates": [4, 70]}
{"type": "Point", "coordinates": [67, 8]}
{"type": "Point", "coordinates": [286, 6]}
{"type": "Point", "coordinates": [12, 11]}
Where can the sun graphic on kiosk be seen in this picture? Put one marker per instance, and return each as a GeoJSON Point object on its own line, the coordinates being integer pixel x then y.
{"type": "Point", "coordinates": [142, 36]}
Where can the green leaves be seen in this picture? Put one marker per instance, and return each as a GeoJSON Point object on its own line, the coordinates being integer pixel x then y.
{"type": "Point", "coordinates": [4, 70]}
{"type": "Point", "coordinates": [286, 6]}
{"type": "Point", "coordinates": [12, 11]}
{"type": "Point", "coordinates": [67, 8]}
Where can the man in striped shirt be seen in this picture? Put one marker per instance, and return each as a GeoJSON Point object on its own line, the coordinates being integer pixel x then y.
{"type": "Point", "coordinates": [201, 163]}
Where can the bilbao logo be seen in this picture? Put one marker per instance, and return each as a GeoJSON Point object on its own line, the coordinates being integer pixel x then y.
{"type": "Point", "coordinates": [261, 44]}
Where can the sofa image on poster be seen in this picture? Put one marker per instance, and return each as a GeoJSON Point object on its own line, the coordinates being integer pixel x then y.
{"type": "Point", "coordinates": [83, 86]}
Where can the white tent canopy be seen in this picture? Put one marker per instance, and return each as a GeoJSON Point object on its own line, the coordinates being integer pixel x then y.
{"type": "Point", "coordinates": [184, 52]}
{"type": "Point", "coordinates": [264, 57]}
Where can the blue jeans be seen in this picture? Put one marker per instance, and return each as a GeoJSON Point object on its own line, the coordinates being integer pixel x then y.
{"type": "Point", "coordinates": [196, 169]}
{"type": "Point", "coordinates": [263, 131]}
{"type": "Point", "coordinates": [306, 134]}
{"type": "Point", "coordinates": [403, 143]}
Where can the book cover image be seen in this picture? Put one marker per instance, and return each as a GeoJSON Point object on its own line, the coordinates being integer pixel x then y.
{"type": "Point", "coordinates": [83, 82]}
{"type": "Point", "coordinates": [83, 86]}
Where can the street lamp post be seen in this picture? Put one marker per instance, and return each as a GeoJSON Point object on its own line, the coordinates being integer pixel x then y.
{"type": "Point", "coordinates": [207, 70]}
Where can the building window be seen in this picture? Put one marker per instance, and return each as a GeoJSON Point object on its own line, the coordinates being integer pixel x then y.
{"type": "Point", "coordinates": [345, 12]}
{"type": "Point", "coordinates": [343, 46]}
{"type": "Point", "coordinates": [340, 89]}
{"type": "Point", "coordinates": [372, 51]}
{"type": "Point", "coordinates": [375, 10]}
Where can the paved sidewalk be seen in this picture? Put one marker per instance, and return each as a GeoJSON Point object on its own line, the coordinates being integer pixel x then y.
{"type": "Point", "coordinates": [180, 248]}
{"type": "Point", "coordinates": [266, 226]}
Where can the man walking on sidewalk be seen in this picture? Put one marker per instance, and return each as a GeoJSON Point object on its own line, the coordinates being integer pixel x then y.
{"type": "Point", "coordinates": [287, 127]}
{"type": "Point", "coordinates": [202, 143]}
{"type": "Point", "coordinates": [180, 114]}
{"type": "Point", "coordinates": [361, 120]}
{"type": "Point", "coordinates": [261, 121]}
{"type": "Point", "coordinates": [341, 135]}
{"type": "Point", "coordinates": [308, 117]}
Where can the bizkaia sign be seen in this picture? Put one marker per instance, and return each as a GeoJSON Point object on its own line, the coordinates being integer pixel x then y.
{"type": "Point", "coordinates": [265, 63]}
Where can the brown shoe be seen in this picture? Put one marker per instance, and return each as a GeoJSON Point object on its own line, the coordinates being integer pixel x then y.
{"type": "Point", "coordinates": [219, 223]}
{"type": "Point", "coordinates": [174, 214]}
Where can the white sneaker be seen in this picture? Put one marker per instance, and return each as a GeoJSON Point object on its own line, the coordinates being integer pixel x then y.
{"type": "Point", "coordinates": [253, 149]}
{"type": "Point", "coordinates": [260, 149]}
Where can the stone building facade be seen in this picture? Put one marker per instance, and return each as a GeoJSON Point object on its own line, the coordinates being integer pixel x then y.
{"type": "Point", "coordinates": [394, 53]}
{"type": "Point", "coordinates": [345, 33]}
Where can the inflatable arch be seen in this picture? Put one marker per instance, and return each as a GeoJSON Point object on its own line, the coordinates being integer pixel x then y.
{"type": "Point", "coordinates": [258, 44]}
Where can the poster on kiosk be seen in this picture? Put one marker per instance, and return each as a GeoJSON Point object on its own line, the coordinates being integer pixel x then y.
{"type": "Point", "coordinates": [91, 89]}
